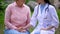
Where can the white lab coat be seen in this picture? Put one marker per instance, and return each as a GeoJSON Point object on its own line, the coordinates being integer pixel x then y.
{"type": "Point", "coordinates": [46, 19]}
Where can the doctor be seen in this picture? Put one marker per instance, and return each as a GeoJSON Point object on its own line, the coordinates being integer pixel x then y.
{"type": "Point", "coordinates": [46, 16]}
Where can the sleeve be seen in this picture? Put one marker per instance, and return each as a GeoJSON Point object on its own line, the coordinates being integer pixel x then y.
{"type": "Point", "coordinates": [34, 19]}
{"type": "Point", "coordinates": [55, 20]}
{"type": "Point", "coordinates": [28, 17]}
{"type": "Point", "coordinates": [7, 18]}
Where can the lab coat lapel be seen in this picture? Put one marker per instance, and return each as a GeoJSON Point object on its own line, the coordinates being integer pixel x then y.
{"type": "Point", "coordinates": [39, 10]}
{"type": "Point", "coordinates": [42, 15]}
{"type": "Point", "coordinates": [44, 11]}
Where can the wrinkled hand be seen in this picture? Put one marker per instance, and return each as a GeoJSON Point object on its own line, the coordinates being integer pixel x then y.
{"type": "Point", "coordinates": [21, 29]}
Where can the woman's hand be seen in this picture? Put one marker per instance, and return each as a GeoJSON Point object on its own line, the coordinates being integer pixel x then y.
{"type": "Point", "coordinates": [43, 29]}
{"type": "Point", "coordinates": [21, 29]}
{"type": "Point", "coordinates": [49, 28]}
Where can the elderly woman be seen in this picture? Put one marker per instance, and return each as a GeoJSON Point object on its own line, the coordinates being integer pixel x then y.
{"type": "Point", "coordinates": [17, 15]}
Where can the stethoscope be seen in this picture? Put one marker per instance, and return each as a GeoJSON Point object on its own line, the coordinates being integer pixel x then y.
{"type": "Point", "coordinates": [46, 9]}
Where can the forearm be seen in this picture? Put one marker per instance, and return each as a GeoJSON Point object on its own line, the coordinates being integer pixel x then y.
{"type": "Point", "coordinates": [28, 26]}
{"type": "Point", "coordinates": [9, 25]}
{"type": "Point", "coordinates": [50, 27]}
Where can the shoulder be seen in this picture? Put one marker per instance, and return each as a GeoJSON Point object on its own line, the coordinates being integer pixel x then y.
{"type": "Point", "coordinates": [36, 7]}
{"type": "Point", "coordinates": [11, 5]}
{"type": "Point", "coordinates": [51, 7]}
{"type": "Point", "coordinates": [27, 7]}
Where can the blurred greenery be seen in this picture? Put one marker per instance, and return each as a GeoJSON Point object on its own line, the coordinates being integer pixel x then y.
{"type": "Point", "coordinates": [27, 1]}
{"type": "Point", "coordinates": [3, 5]}
{"type": "Point", "coordinates": [58, 13]}
{"type": "Point", "coordinates": [1, 0]}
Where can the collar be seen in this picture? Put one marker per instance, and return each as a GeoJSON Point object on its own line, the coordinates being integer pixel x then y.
{"type": "Point", "coordinates": [17, 5]}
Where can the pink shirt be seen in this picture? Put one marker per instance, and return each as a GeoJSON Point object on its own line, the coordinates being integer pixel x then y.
{"type": "Point", "coordinates": [16, 17]}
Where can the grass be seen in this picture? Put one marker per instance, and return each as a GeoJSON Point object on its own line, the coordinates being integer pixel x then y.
{"type": "Point", "coordinates": [2, 23]}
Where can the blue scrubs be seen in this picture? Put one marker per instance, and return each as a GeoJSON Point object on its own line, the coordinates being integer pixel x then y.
{"type": "Point", "coordinates": [42, 7]}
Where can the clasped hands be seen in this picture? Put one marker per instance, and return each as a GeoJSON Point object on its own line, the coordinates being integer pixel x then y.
{"type": "Point", "coordinates": [21, 29]}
